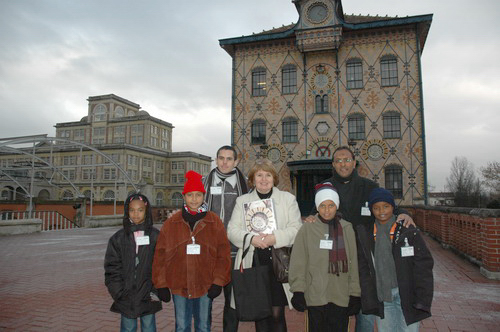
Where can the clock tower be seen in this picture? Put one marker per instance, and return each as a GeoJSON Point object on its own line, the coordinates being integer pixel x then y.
{"type": "Point", "coordinates": [320, 24]}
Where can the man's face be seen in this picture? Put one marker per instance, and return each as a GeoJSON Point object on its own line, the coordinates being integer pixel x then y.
{"type": "Point", "coordinates": [343, 163]}
{"type": "Point", "coordinates": [225, 161]}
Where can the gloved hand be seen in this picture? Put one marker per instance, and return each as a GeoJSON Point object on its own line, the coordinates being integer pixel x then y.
{"type": "Point", "coordinates": [354, 305]}
{"type": "Point", "coordinates": [214, 291]}
{"type": "Point", "coordinates": [299, 301]}
{"type": "Point", "coordinates": [164, 294]}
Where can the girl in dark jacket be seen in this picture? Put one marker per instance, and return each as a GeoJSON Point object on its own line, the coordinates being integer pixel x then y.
{"type": "Point", "coordinates": [128, 266]}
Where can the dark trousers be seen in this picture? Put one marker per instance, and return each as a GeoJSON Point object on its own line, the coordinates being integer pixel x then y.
{"type": "Point", "coordinates": [229, 319]}
{"type": "Point", "coordinates": [328, 317]}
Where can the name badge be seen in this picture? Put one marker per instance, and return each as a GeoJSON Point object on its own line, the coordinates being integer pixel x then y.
{"type": "Point", "coordinates": [326, 244]}
{"type": "Point", "coordinates": [142, 240]}
{"type": "Point", "coordinates": [216, 190]}
{"type": "Point", "coordinates": [365, 210]}
{"type": "Point", "coordinates": [193, 249]}
{"type": "Point", "coordinates": [407, 252]}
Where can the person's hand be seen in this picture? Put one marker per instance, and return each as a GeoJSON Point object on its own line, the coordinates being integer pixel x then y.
{"type": "Point", "coordinates": [258, 241]}
{"type": "Point", "coordinates": [214, 291]}
{"type": "Point", "coordinates": [299, 301]}
{"type": "Point", "coordinates": [354, 305]}
{"type": "Point", "coordinates": [164, 294]}
{"type": "Point", "coordinates": [310, 219]}
{"type": "Point", "coordinates": [269, 239]}
{"type": "Point", "coordinates": [406, 219]}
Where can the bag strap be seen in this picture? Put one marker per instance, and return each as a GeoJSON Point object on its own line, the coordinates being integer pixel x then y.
{"type": "Point", "coordinates": [245, 251]}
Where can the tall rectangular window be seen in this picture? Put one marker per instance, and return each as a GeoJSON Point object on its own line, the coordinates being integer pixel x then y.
{"type": "Point", "coordinates": [289, 79]}
{"type": "Point", "coordinates": [354, 74]}
{"type": "Point", "coordinates": [258, 132]}
{"type": "Point", "coordinates": [394, 180]}
{"type": "Point", "coordinates": [259, 82]}
{"type": "Point", "coordinates": [392, 125]}
{"type": "Point", "coordinates": [356, 127]}
{"type": "Point", "coordinates": [389, 71]}
{"type": "Point", "coordinates": [289, 131]}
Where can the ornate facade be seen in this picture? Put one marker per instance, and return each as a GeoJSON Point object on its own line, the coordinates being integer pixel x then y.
{"type": "Point", "coordinates": [300, 91]}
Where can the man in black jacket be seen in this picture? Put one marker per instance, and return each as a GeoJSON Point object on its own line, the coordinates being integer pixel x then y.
{"type": "Point", "coordinates": [354, 191]}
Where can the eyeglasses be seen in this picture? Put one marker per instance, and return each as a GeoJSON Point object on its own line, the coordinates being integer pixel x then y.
{"type": "Point", "coordinates": [340, 161]}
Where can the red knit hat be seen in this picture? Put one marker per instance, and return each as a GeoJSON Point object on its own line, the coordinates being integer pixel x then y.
{"type": "Point", "coordinates": [193, 183]}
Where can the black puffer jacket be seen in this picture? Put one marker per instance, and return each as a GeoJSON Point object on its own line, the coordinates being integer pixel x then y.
{"type": "Point", "coordinates": [414, 273]}
{"type": "Point", "coordinates": [130, 286]}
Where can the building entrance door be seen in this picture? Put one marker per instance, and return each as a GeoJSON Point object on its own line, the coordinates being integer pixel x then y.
{"type": "Point", "coordinates": [306, 174]}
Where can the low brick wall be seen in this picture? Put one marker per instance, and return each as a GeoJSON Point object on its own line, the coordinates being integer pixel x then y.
{"type": "Point", "coordinates": [23, 226]}
{"type": "Point", "coordinates": [474, 233]}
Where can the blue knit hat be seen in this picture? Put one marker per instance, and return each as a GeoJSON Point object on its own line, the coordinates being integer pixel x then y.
{"type": "Point", "coordinates": [381, 195]}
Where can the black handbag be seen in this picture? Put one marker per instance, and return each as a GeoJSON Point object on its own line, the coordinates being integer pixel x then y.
{"type": "Point", "coordinates": [252, 290]}
{"type": "Point", "coordinates": [281, 263]}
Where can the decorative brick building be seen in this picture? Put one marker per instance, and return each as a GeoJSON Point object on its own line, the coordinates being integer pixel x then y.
{"type": "Point", "coordinates": [300, 91]}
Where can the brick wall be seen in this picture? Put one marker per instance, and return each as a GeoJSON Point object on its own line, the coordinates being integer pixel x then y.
{"type": "Point", "coordinates": [474, 233]}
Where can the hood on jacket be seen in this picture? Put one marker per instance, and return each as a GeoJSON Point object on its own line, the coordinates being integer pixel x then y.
{"type": "Point", "coordinates": [148, 221]}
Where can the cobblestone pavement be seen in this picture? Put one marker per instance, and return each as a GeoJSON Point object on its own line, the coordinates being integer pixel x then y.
{"type": "Point", "coordinates": [54, 281]}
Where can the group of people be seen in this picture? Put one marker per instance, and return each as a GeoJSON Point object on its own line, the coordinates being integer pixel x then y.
{"type": "Point", "coordinates": [356, 254]}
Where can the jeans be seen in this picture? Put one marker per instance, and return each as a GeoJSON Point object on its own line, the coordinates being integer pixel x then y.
{"type": "Point", "coordinates": [393, 316]}
{"type": "Point", "coordinates": [185, 309]}
{"type": "Point", "coordinates": [148, 323]}
{"type": "Point", "coordinates": [365, 323]}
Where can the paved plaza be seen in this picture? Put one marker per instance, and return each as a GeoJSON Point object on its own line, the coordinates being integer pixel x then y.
{"type": "Point", "coordinates": [54, 281]}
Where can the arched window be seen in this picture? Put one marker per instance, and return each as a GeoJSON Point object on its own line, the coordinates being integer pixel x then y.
{"type": "Point", "coordinates": [289, 79]}
{"type": "Point", "coordinates": [259, 82]}
{"type": "Point", "coordinates": [6, 195]}
{"type": "Point", "coordinates": [321, 104]}
{"type": "Point", "coordinates": [177, 199]}
{"type": "Point", "coordinates": [392, 124]}
{"type": "Point", "coordinates": [109, 195]}
{"type": "Point", "coordinates": [100, 113]}
{"type": "Point", "coordinates": [258, 132]}
{"type": "Point", "coordinates": [394, 180]}
{"type": "Point", "coordinates": [67, 195]}
{"type": "Point", "coordinates": [119, 112]}
{"type": "Point", "coordinates": [356, 126]}
{"type": "Point", "coordinates": [131, 113]}
{"type": "Point", "coordinates": [289, 130]}
{"type": "Point", "coordinates": [44, 194]}
{"type": "Point", "coordinates": [389, 70]}
{"type": "Point", "coordinates": [159, 198]}
{"type": "Point", "coordinates": [354, 74]}
{"type": "Point", "coordinates": [87, 194]}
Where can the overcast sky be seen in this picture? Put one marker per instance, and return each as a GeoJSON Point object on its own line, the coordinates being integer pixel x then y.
{"type": "Point", "coordinates": [165, 56]}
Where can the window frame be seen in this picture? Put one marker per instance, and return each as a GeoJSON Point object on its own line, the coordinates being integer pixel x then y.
{"type": "Point", "coordinates": [289, 79]}
{"type": "Point", "coordinates": [289, 130]}
{"type": "Point", "coordinates": [258, 128]}
{"type": "Point", "coordinates": [259, 82]}
{"type": "Point", "coordinates": [354, 74]}
{"type": "Point", "coordinates": [391, 122]}
{"type": "Point", "coordinates": [321, 105]}
{"type": "Point", "coordinates": [355, 123]}
{"type": "Point", "coordinates": [393, 178]}
{"type": "Point", "coordinates": [389, 71]}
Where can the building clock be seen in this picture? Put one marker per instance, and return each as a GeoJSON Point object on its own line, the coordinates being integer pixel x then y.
{"type": "Point", "coordinates": [317, 12]}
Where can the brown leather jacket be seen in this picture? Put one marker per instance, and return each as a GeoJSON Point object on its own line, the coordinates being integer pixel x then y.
{"type": "Point", "coordinates": [192, 275]}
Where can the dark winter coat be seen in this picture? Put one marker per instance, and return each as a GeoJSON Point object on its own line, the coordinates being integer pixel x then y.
{"type": "Point", "coordinates": [130, 286]}
{"type": "Point", "coordinates": [414, 273]}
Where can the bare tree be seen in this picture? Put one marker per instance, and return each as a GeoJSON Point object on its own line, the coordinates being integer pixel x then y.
{"type": "Point", "coordinates": [491, 178]}
{"type": "Point", "coordinates": [463, 183]}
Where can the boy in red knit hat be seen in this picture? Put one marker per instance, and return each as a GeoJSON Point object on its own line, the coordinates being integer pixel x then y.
{"type": "Point", "coordinates": [192, 258]}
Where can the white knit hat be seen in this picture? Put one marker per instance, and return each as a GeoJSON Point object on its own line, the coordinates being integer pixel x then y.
{"type": "Point", "coordinates": [325, 191]}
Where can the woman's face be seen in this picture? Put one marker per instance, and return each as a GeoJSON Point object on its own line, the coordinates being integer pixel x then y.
{"type": "Point", "coordinates": [137, 211]}
{"type": "Point", "coordinates": [264, 181]}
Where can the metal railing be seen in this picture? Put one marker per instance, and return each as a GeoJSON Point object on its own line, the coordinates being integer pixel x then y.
{"type": "Point", "coordinates": [51, 220]}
